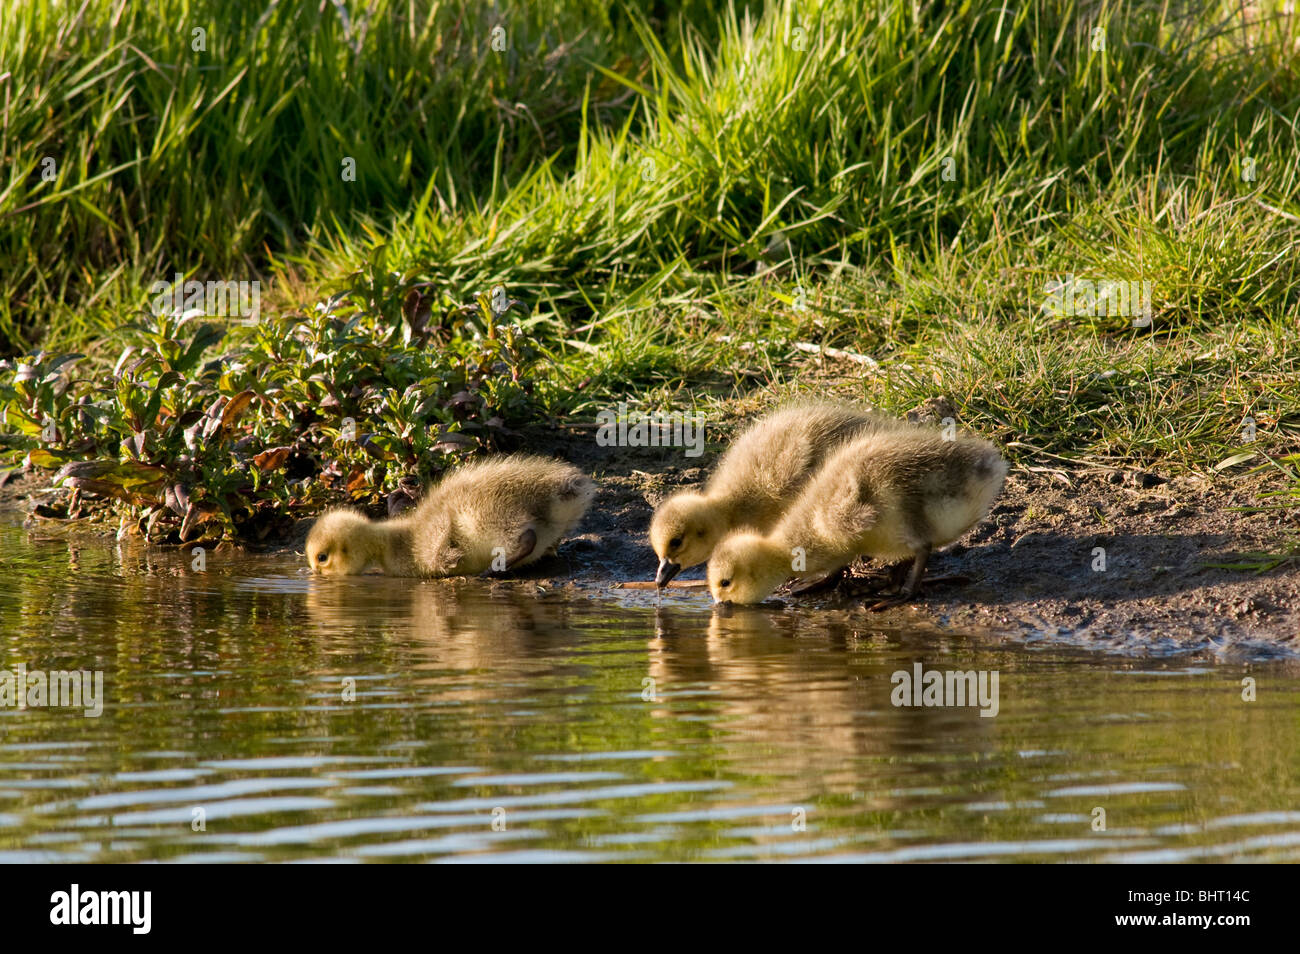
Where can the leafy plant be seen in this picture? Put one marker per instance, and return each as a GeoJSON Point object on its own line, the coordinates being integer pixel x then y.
{"type": "Point", "coordinates": [376, 385]}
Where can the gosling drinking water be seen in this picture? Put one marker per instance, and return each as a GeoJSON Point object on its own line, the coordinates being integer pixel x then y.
{"type": "Point", "coordinates": [756, 480]}
{"type": "Point", "coordinates": [889, 495]}
{"type": "Point", "coordinates": [497, 514]}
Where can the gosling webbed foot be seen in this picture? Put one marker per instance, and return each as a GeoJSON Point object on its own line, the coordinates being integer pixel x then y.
{"type": "Point", "coordinates": [818, 584]}
{"type": "Point", "coordinates": [948, 579]}
{"type": "Point", "coordinates": [889, 603]}
{"type": "Point", "coordinates": [910, 588]}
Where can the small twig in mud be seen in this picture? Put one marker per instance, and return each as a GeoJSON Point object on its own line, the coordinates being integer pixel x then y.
{"type": "Point", "coordinates": [1057, 474]}
{"type": "Point", "coordinates": [1261, 561]}
{"type": "Point", "coordinates": [809, 348]}
{"type": "Point", "coordinates": [651, 584]}
{"type": "Point", "coordinates": [1076, 461]}
{"type": "Point", "coordinates": [853, 356]}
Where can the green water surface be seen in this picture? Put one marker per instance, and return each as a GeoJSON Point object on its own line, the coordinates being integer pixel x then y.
{"type": "Point", "coordinates": [252, 713]}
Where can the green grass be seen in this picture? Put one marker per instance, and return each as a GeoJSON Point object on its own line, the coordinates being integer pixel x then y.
{"type": "Point", "coordinates": [171, 158]}
{"type": "Point", "coordinates": [684, 199]}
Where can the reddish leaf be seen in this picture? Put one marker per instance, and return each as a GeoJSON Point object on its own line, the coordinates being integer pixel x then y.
{"type": "Point", "coordinates": [196, 514]}
{"type": "Point", "coordinates": [375, 449]}
{"type": "Point", "coordinates": [135, 444]}
{"type": "Point", "coordinates": [103, 488]}
{"type": "Point", "coordinates": [272, 459]}
{"type": "Point", "coordinates": [178, 499]}
{"type": "Point", "coordinates": [97, 488]}
{"type": "Point", "coordinates": [191, 435]}
{"type": "Point", "coordinates": [190, 521]}
{"type": "Point", "coordinates": [235, 409]}
{"type": "Point", "coordinates": [417, 309]}
{"type": "Point", "coordinates": [85, 469]}
{"type": "Point", "coordinates": [455, 437]}
{"type": "Point", "coordinates": [356, 481]}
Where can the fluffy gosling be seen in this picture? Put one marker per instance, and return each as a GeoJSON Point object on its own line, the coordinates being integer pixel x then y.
{"type": "Point", "coordinates": [888, 495]}
{"type": "Point", "coordinates": [758, 477]}
{"type": "Point", "coordinates": [493, 515]}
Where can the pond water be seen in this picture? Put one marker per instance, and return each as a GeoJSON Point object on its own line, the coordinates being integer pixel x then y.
{"type": "Point", "coordinates": [251, 712]}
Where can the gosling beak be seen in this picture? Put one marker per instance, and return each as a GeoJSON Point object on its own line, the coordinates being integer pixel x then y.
{"type": "Point", "coordinates": [667, 570]}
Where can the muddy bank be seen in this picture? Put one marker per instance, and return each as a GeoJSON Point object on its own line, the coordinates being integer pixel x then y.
{"type": "Point", "coordinates": [1035, 568]}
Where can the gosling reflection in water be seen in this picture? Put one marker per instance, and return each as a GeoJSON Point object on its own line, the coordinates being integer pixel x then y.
{"type": "Point", "coordinates": [738, 621]}
{"type": "Point", "coordinates": [453, 624]}
{"type": "Point", "coordinates": [769, 672]}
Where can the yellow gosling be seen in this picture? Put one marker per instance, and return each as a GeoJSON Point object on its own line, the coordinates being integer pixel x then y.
{"type": "Point", "coordinates": [890, 495]}
{"type": "Point", "coordinates": [489, 516]}
{"type": "Point", "coordinates": [756, 480]}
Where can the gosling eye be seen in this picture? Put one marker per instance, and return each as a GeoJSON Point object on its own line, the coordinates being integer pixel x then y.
{"type": "Point", "coordinates": [675, 542]}
{"type": "Point", "coordinates": [724, 583]}
{"type": "Point", "coordinates": [322, 557]}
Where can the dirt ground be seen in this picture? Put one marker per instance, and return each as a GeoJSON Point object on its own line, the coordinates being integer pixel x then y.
{"type": "Point", "coordinates": [1033, 567]}
{"type": "Point", "coordinates": [1029, 564]}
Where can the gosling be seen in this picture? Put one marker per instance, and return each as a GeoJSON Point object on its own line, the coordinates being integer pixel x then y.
{"type": "Point", "coordinates": [490, 516]}
{"type": "Point", "coordinates": [757, 478]}
{"type": "Point", "coordinates": [891, 495]}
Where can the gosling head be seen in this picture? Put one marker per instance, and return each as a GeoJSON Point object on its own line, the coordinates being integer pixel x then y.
{"type": "Point", "coordinates": [683, 533]}
{"type": "Point", "coordinates": [340, 544]}
{"type": "Point", "coordinates": [746, 568]}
